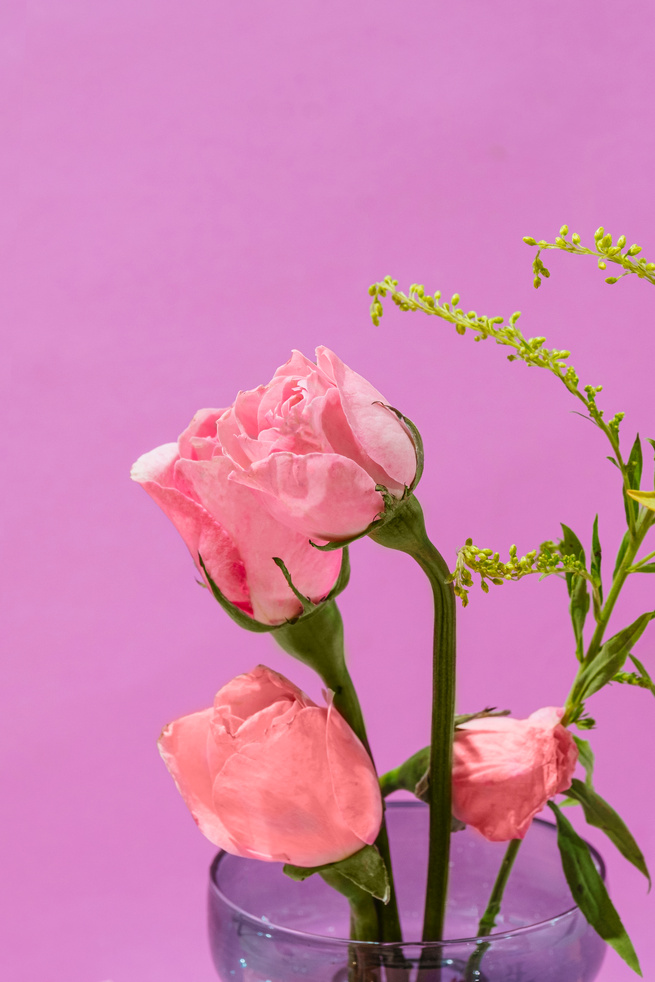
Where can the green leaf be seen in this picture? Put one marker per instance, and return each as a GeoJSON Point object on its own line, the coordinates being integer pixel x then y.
{"type": "Point", "coordinates": [634, 468]}
{"type": "Point", "coordinates": [589, 891]}
{"type": "Point", "coordinates": [586, 758]}
{"type": "Point", "coordinates": [577, 587]}
{"type": "Point", "coordinates": [602, 816]}
{"type": "Point", "coordinates": [596, 557]}
{"type": "Point", "coordinates": [365, 869]}
{"type": "Point", "coordinates": [644, 674]}
{"type": "Point", "coordinates": [611, 657]}
{"type": "Point", "coordinates": [645, 498]}
{"type": "Point", "coordinates": [648, 568]}
{"type": "Point", "coordinates": [623, 548]}
{"type": "Point", "coordinates": [237, 615]}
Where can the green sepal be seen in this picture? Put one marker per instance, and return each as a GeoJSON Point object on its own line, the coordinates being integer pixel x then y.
{"type": "Point", "coordinates": [586, 758]}
{"type": "Point", "coordinates": [634, 468]}
{"type": "Point", "coordinates": [237, 615]}
{"type": "Point", "coordinates": [596, 557]}
{"type": "Point", "coordinates": [602, 816]}
{"type": "Point", "coordinates": [365, 869]}
{"type": "Point", "coordinates": [589, 891]}
{"type": "Point", "coordinates": [611, 657]}
{"type": "Point", "coordinates": [577, 587]}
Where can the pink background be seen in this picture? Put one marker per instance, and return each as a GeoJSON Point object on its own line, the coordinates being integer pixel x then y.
{"type": "Point", "coordinates": [190, 190]}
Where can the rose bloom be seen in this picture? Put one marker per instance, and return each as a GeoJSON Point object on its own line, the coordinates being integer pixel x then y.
{"type": "Point", "coordinates": [505, 770]}
{"type": "Point", "coordinates": [267, 774]}
{"type": "Point", "coordinates": [294, 459]}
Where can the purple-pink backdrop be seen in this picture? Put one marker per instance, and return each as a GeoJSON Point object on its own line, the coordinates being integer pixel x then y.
{"type": "Point", "coordinates": [190, 190]}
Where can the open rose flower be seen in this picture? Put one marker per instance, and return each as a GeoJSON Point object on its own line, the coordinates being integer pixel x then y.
{"type": "Point", "coordinates": [505, 770]}
{"type": "Point", "coordinates": [314, 443]}
{"type": "Point", "coordinates": [267, 774]}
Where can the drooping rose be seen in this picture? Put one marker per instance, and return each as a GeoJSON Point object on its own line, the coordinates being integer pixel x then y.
{"type": "Point", "coordinates": [314, 443]}
{"type": "Point", "coordinates": [228, 525]}
{"type": "Point", "coordinates": [267, 774]}
{"type": "Point", "coordinates": [505, 770]}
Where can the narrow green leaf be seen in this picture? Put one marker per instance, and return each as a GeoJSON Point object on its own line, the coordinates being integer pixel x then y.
{"type": "Point", "coordinates": [596, 557]}
{"type": "Point", "coordinates": [645, 498]}
{"type": "Point", "coordinates": [586, 758]}
{"type": "Point", "coordinates": [589, 891]}
{"type": "Point", "coordinates": [365, 869]}
{"type": "Point", "coordinates": [611, 657]}
{"type": "Point", "coordinates": [634, 468]}
{"type": "Point", "coordinates": [623, 548]}
{"type": "Point", "coordinates": [602, 816]}
{"type": "Point", "coordinates": [237, 615]}
{"type": "Point", "coordinates": [648, 568]}
{"type": "Point", "coordinates": [577, 587]}
{"type": "Point", "coordinates": [644, 674]}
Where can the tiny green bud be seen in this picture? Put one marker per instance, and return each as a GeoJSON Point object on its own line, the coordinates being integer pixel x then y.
{"type": "Point", "coordinates": [461, 329]}
{"type": "Point", "coordinates": [420, 291]}
{"type": "Point", "coordinates": [634, 250]}
{"type": "Point", "coordinates": [611, 279]}
{"type": "Point", "coordinates": [560, 242]}
{"type": "Point", "coordinates": [621, 242]}
{"type": "Point", "coordinates": [575, 239]}
{"type": "Point", "coordinates": [484, 586]}
{"type": "Point", "coordinates": [455, 299]}
{"type": "Point", "coordinates": [613, 251]}
{"type": "Point", "coordinates": [650, 265]}
{"type": "Point", "coordinates": [373, 290]}
{"type": "Point", "coordinates": [542, 243]}
{"type": "Point", "coordinates": [564, 230]}
{"type": "Point", "coordinates": [599, 233]}
{"type": "Point", "coordinates": [437, 294]}
{"type": "Point", "coordinates": [536, 282]}
{"type": "Point", "coordinates": [601, 264]}
{"type": "Point", "coordinates": [529, 240]}
{"type": "Point", "coordinates": [606, 241]}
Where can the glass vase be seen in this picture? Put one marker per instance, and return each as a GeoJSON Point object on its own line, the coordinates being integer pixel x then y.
{"type": "Point", "coordinates": [264, 927]}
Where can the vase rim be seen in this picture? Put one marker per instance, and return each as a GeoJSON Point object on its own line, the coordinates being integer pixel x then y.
{"type": "Point", "coordinates": [525, 929]}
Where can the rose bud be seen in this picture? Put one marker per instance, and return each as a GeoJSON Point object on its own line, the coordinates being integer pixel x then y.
{"type": "Point", "coordinates": [229, 527]}
{"type": "Point", "coordinates": [505, 770]}
{"type": "Point", "coordinates": [267, 774]}
{"type": "Point", "coordinates": [314, 443]}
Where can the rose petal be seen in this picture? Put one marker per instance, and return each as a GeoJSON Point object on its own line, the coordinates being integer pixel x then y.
{"type": "Point", "coordinates": [156, 472]}
{"type": "Point", "coordinates": [322, 496]}
{"type": "Point", "coordinates": [382, 436]}
{"type": "Point", "coordinates": [182, 746]}
{"type": "Point", "coordinates": [278, 794]}
{"type": "Point", "coordinates": [354, 781]}
{"type": "Point", "coordinates": [260, 538]}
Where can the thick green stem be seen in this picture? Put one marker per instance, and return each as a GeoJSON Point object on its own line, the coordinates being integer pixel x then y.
{"type": "Point", "coordinates": [405, 530]}
{"type": "Point", "coordinates": [488, 919]}
{"type": "Point", "coordinates": [318, 641]}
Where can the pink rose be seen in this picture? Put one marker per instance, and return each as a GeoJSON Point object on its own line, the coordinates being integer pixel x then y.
{"type": "Point", "coordinates": [228, 525]}
{"type": "Point", "coordinates": [267, 774]}
{"type": "Point", "coordinates": [314, 443]}
{"type": "Point", "coordinates": [505, 770]}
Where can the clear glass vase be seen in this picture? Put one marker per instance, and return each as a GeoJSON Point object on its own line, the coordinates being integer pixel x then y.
{"type": "Point", "coordinates": [265, 927]}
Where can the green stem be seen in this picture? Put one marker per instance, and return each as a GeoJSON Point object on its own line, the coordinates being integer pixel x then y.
{"type": "Point", "coordinates": [318, 641]}
{"type": "Point", "coordinates": [488, 919]}
{"type": "Point", "coordinates": [405, 530]}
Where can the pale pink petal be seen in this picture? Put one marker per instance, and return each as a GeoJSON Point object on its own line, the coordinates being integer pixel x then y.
{"type": "Point", "coordinates": [297, 366]}
{"type": "Point", "coordinates": [260, 538]}
{"type": "Point", "coordinates": [248, 694]}
{"type": "Point", "coordinates": [381, 435]}
{"type": "Point", "coordinates": [156, 471]}
{"type": "Point", "coordinates": [276, 799]}
{"type": "Point", "coordinates": [322, 496]}
{"type": "Point", "coordinates": [354, 781]}
{"type": "Point", "coordinates": [182, 746]}
{"type": "Point", "coordinates": [201, 428]}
